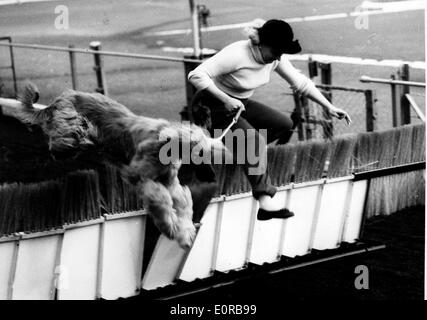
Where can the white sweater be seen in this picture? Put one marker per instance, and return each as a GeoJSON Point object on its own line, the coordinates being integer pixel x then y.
{"type": "Point", "coordinates": [238, 70]}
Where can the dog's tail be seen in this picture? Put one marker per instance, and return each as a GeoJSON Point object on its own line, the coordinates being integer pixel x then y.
{"type": "Point", "coordinates": [25, 106]}
{"type": "Point", "coordinates": [29, 96]}
{"type": "Point", "coordinates": [67, 132]}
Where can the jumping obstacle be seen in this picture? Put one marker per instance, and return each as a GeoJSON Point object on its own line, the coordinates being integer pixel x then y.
{"type": "Point", "coordinates": [103, 257]}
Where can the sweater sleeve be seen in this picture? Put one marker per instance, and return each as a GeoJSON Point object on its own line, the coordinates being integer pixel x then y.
{"type": "Point", "coordinates": [298, 81]}
{"type": "Point", "coordinates": [223, 62]}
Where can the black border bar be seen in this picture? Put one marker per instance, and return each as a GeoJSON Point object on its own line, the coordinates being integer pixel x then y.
{"type": "Point", "coordinates": [389, 171]}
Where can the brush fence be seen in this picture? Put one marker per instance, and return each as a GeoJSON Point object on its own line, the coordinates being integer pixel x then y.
{"type": "Point", "coordinates": [102, 258]}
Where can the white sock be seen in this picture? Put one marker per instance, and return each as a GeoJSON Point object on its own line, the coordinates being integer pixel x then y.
{"type": "Point", "coordinates": [267, 203]}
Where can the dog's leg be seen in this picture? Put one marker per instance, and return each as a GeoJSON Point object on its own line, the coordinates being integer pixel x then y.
{"type": "Point", "coordinates": [183, 205]}
{"type": "Point", "coordinates": [158, 203]}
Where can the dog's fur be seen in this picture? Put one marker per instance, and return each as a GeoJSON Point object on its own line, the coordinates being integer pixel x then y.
{"type": "Point", "coordinates": [76, 120]}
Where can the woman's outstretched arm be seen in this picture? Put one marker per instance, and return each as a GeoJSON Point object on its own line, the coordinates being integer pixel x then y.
{"type": "Point", "coordinates": [303, 85]}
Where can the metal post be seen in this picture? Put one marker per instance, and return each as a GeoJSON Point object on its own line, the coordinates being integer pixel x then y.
{"type": "Point", "coordinates": [12, 60]}
{"type": "Point", "coordinates": [370, 110]}
{"type": "Point", "coordinates": [404, 103]}
{"type": "Point", "coordinates": [73, 68]}
{"type": "Point", "coordinates": [312, 68]}
{"type": "Point", "coordinates": [298, 110]}
{"type": "Point", "coordinates": [326, 79]}
{"type": "Point", "coordinates": [189, 65]}
{"type": "Point", "coordinates": [309, 126]}
{"type": "Point", "coordinates": [394, 106]}
{"type": "Point", "coordinates": [12, 64]}
{"type": "Point", "coordinates": [100, 77]}
{"type": "Point", "coordinates": [196, 29]}
{"type": "Point", "coordinates": [190, 90]}
{"type": "Point", "coordinates": [325, 73]}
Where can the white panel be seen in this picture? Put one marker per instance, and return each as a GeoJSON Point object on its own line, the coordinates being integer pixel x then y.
{"type": "Point", "coordinates": [296, 239]}
{"type": "Point", "coordinates": [164, 265]}
{"type": "Point", "coordinates": [354, 219]}
{"type": "Point", "coordinates": [35, 268]}
{"type": "Point", "coordinates": [234, 234]}
{"type": "Point", "coordinates": [79, 263]}
{"type": "Point", "coordinates": [327, 232]}
{"type": "Point", "coordinates": [266, 237]}
{"type": "Point", "coordinates": [122, 257]}
{"type": "Point", "coordinates": [199, 260]}
{"type": "Point", "coordinates": [6, 256]}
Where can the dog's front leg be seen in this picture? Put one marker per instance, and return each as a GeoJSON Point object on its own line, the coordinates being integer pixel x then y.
{"type": "Point", "coordinates": [158, 204]}
{"type": "Point", "coordinates": [183, 205]}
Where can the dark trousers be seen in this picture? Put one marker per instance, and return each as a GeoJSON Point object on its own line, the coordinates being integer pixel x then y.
{"type": "Point", "coordinates": [257, 116]}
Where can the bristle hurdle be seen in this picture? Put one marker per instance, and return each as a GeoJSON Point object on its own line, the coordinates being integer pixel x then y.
{"type": "Point", "coordinates": [389, 148]}
{"type": "Point", "coordinates": [80, 199]}
{"type": "Point", "coordinates": [117, 195]}
{"type": "Point", "coordinates": [418, 143]}
{"type": "Point", "coordinates": [365, 157]}
{"type": "Point", "coordinates": [310, 160]}
{"type": "Point", "coordinates": [340, 156]}
{"type": "Point", "coordinates": [281, 163]}
{"type": "Point", "coordinates": [9, 217]}
{"type": "Point", "coordinates": [233, 180]}
{"type": "Point", "coordinates": [30, 207]}
{"type": "Point", "coordinates": [80, 195]}
{"type": "Point", "coordinates": [402, 144]}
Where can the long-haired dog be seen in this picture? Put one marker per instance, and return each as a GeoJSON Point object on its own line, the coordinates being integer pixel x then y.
{"type": "Point", "coordinates": [77, 120]}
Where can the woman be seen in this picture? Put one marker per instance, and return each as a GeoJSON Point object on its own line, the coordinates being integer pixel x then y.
{"type": "Point", "coordinates": [228, 80]}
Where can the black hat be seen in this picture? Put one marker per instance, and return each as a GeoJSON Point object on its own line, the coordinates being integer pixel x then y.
{"type": "Point", "coordinates": [278, 35]}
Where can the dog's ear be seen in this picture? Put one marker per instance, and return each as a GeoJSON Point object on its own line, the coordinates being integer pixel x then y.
{"type": "Point", "coordinates": [184, 114]}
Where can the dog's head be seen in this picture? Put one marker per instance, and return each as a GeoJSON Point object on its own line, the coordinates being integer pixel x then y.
{"type": "Point", "coordinates": [199, 114]}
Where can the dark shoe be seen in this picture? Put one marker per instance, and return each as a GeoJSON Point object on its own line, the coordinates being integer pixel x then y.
{"type": "Point", "coordinates": [278, 214]}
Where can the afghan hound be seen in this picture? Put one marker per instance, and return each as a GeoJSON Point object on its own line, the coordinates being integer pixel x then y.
{"type": "Point", "coordinates": [78, 120]}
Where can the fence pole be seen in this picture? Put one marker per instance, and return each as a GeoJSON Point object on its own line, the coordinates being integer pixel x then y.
{"type": "Point", "coordinates": [12, 64]}
{"type": "Point", "coordinates": [298, 110]}
{"type": "Point", "coordinates": [12, 60]}
{"type": "Point", "coordinates": [196, 29]}
{"type": "Point", "coordinates": [326, 79]}
{"type": "Point", "coordinates": [371, 124]}
{"type": "Point", "coordinates": [190, 90]}
{"type": "Point", "coordinates": [309, 126]}
{"type": "Point", "coordinates": [405, 108]}
{"type": "Point", "coordinates": [394, 107]}
{"type": "Point", "coordinates": [73, 68]}
{"type": "Point", "coordinates": [189, 66]}
{"type": "Point", "coordinates": [100, 77]}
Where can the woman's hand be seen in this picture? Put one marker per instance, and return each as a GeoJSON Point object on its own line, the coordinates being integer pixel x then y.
{"type": "Point", "coordinates": [339, 113]}
{"type": "Point", "coordinates": [233, 105]}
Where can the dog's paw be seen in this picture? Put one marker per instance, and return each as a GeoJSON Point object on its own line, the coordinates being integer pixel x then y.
{"type": "Point", "coordinates": [186, 236]}
{"type": "Point", "coordinates": [168, 226]}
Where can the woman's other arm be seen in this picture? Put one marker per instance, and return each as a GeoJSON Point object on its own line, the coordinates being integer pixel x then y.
{"type": "Point", "coordinates": [225, 61]}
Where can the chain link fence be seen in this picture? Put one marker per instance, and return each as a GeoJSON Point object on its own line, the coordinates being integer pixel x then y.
{"type": "Point", "coordinates": [317, 124]}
